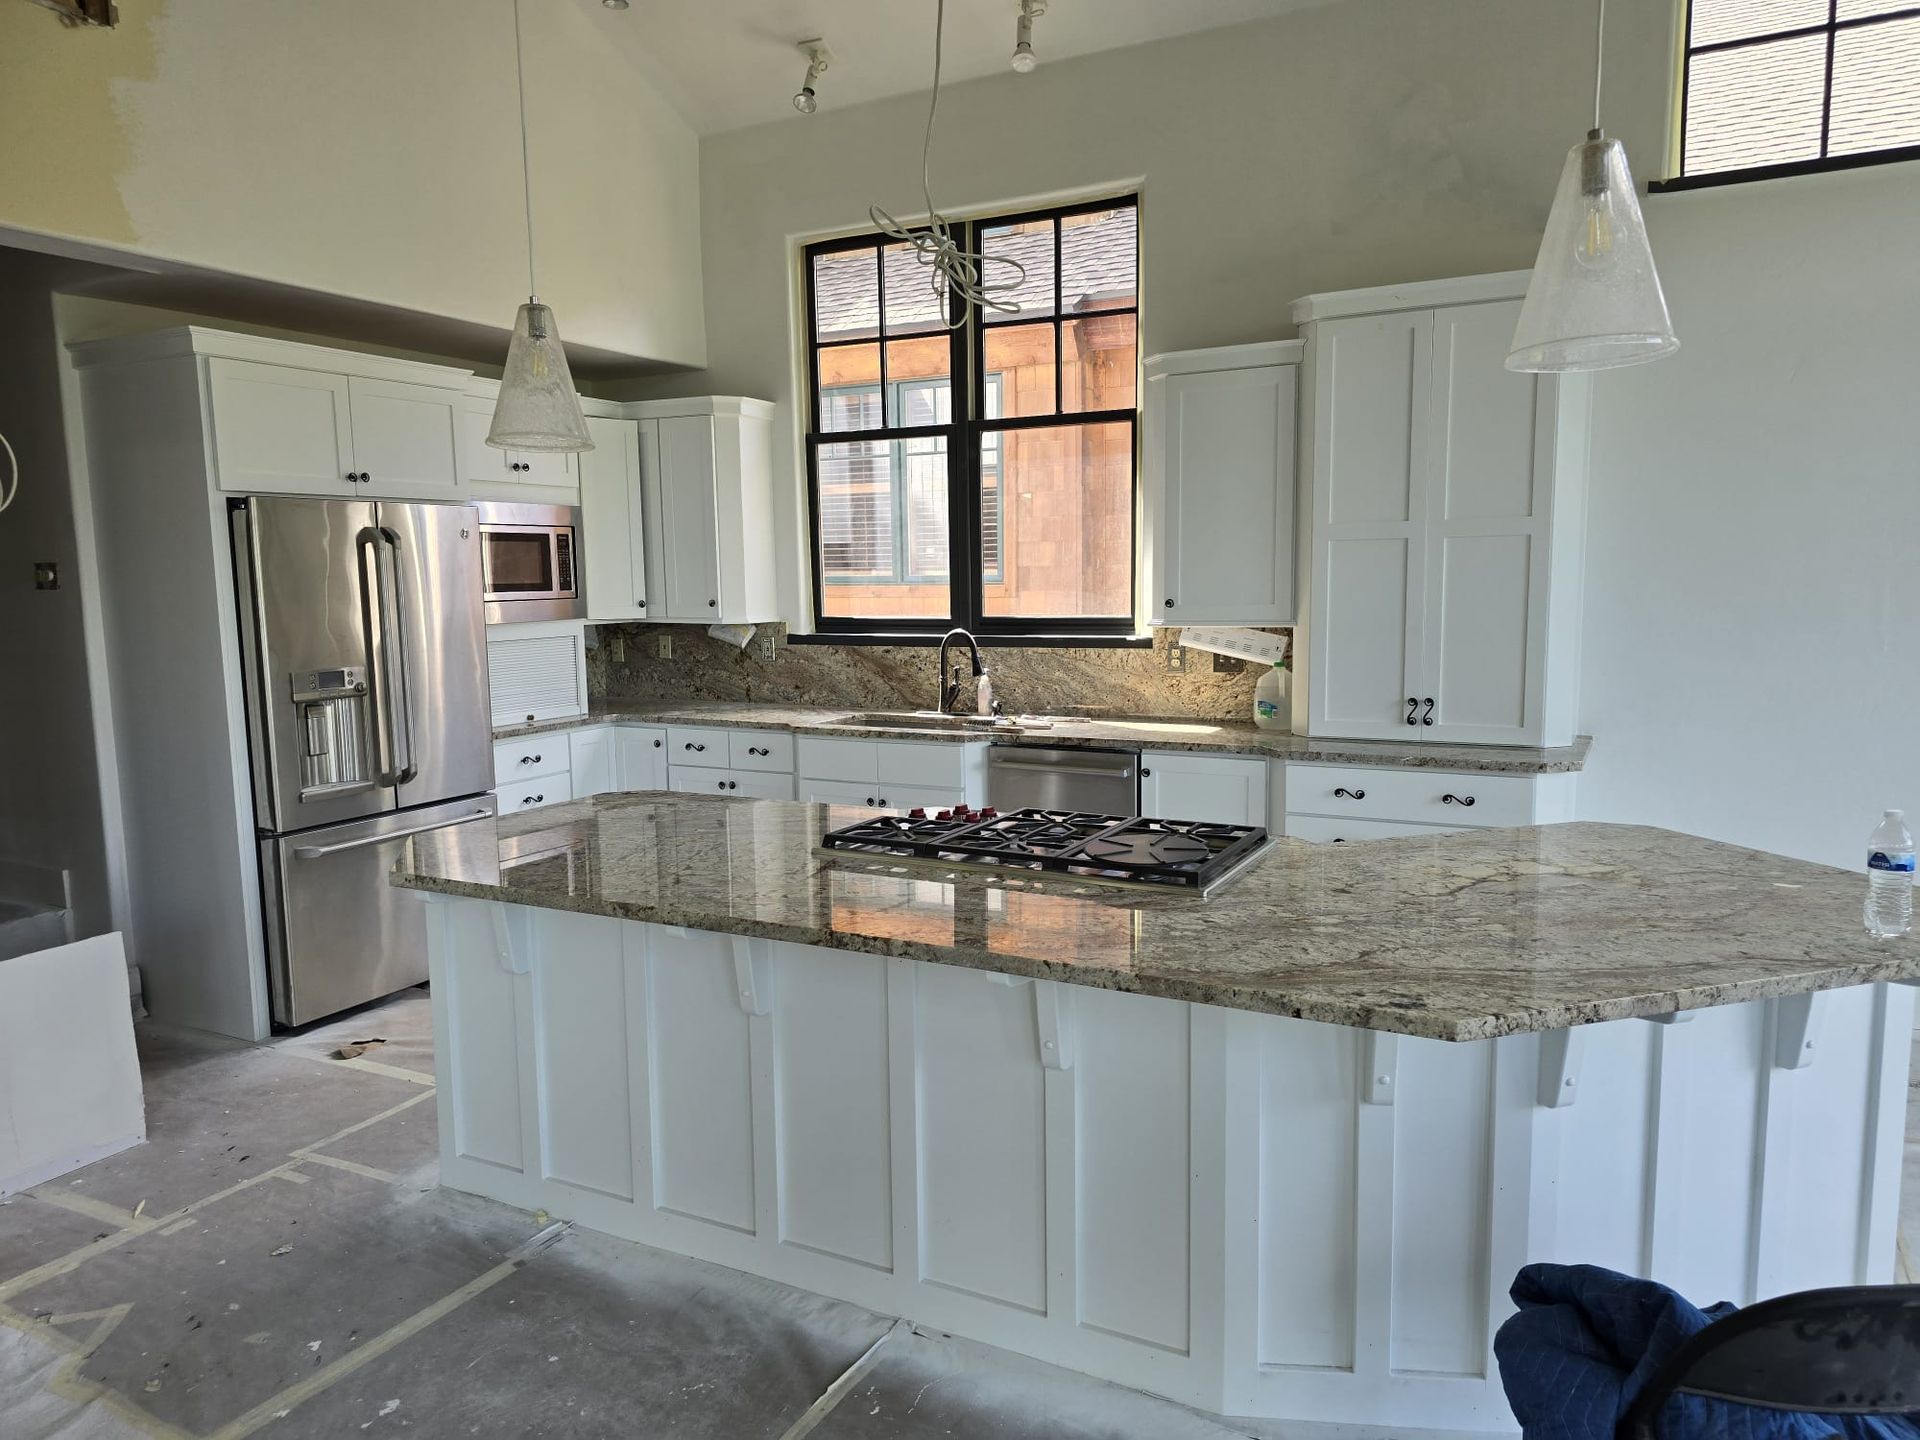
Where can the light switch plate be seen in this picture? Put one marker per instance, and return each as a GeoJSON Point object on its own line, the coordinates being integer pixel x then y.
{"type": "Point", "coordinates": [666, 647]}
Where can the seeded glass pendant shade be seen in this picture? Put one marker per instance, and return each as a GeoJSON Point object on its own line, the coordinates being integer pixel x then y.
{"type": "Point", "coordinates": [537, 408]}
{"type": "Point", "coordinates": [1594, 302]}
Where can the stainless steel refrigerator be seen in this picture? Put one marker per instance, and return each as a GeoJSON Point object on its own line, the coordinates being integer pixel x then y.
{"type": "Point", "coordinates": [365, 654]}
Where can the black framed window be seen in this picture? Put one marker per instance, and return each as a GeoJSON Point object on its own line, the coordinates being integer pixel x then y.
{"type": "Point", "coordinates": [1775, 87]}
{"type": "Point", "coordinates": [983, 474]}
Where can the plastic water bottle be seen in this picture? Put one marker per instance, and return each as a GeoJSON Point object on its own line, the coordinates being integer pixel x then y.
{"type": "Point", "coordinates": [1890, 878]}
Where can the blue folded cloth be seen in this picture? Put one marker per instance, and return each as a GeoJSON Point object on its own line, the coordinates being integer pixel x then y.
{"type": "Point", "coordinates": [1587, 1340]}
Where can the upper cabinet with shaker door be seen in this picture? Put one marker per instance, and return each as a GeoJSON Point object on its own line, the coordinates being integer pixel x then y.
{"type": "Point", "coordinates": [1444, 521]}
{"type": "Point", "coordinates": [714, 501]}
{"type": "Point", "coordinates": [285, 429]}
{"type": "Point", "coordinates": [613, 515]}
{"type": "Point", "coordinates": [1220, 471]}
{"type": "Point", "coordinates": [492, 474]}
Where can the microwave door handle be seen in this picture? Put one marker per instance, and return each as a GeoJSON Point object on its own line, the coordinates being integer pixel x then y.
{"type": "Point", "coordinates": [399, 687]}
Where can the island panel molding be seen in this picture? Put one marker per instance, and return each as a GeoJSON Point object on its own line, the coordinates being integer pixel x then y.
{"type": "Point", "coordinates": [1456, 935]}
{"type": "Point", "coordinates": [1208, 1204]}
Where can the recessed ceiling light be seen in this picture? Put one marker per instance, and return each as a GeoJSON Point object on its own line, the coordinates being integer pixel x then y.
{"type": "Point", "coordinates": [614, 4]}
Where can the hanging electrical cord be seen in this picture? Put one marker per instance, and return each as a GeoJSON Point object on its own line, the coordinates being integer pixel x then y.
{"type": "Point", "coordinates": [955, 271]}
{"type": "Point", "coordinates": [10, 487]}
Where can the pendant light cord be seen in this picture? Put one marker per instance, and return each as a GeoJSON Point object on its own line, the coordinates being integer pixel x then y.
{"type": "Point", "coordinates": [954, 271]}
{"type": "Point", "coordinates": [1599, 58]}
{"type": "Point", "coordinates": [526, 163]}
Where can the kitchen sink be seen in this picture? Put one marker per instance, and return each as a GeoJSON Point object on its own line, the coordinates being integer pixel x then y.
{"type": "Point", "coordinates": [934, 720]}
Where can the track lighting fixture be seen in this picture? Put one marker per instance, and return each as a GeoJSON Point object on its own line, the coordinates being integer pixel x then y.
{"type": "Point", "coordinates": [1023, 57]}
{"type": "Point", "coordinates": [818, 58]}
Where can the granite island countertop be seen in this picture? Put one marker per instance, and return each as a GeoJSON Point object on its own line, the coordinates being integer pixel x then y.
{"type": "Point", "coordinates": [1230, 737]}
{"type": "Point", "coordinates": [1456, 936]}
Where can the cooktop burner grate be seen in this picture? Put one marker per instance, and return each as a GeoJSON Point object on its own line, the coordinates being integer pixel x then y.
{"type": "Point", "coordinates": [1184, 854]}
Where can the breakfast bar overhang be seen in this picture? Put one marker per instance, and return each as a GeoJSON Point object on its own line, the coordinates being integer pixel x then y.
{"type": "Point", "coordinates": [1276, 1153]}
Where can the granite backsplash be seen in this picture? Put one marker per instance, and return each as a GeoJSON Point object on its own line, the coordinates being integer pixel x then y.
{"type": "Point", "coordinates": [1133, 682]}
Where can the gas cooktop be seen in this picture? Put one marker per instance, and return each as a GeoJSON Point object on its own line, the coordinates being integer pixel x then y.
{"type": "Point", "coordinates": [1179, 854]}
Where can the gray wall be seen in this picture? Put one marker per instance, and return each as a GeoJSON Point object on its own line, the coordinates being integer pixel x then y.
{"type": "Point", "coordinates": [1362, 143]}
{"type": "Point", "coordinates": [50, 811]}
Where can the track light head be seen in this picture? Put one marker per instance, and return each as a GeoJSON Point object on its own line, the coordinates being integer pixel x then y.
{"type": "Point", "coordinates": [1023, 57]}
{"type": "Point", "coordinates": [818, 58]}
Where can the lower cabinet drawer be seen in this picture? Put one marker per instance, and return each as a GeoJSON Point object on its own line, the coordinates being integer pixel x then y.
{"type": "Point", "coordinates": [926, 767]}
{"type": "Point", "coordinates": [761, 750]}
{"type": "Point", "coordinates": [529, 756]}
{"type": "Point", "coordinates": [1325, 829]}
{"type": "Point", "coordinates": [691, 745]}
{"type": "Point", "coordinates": [869, 795]}
{"type": "Point", "coordinates": [1424, 797]}
{"type": "Point", "coordinates": [532, 794]}
{"type": "Point", "coordinates": [741, 784]}
{"type": "Point", "coordinates": [854, 762]}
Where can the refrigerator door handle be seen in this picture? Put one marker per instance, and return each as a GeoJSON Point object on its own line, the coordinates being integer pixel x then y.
{"type": "Point", "coordinates": [315, 852]}
{"type": "Point", "coordinates": [400, 689]}
{"type": "Point", "coordinates": [386, 648]}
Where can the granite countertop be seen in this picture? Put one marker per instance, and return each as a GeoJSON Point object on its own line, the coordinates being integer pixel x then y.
{"type": "Point", "coordinates": [1458, 936]}
{"type": "Point", "coordinates": [1223, 736]}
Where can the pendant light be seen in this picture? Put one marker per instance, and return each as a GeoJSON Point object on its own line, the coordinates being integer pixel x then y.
{"type": "Point", "coordinates": [1594, 302]}
{"type": "Point", "coordinates": [537, 409]}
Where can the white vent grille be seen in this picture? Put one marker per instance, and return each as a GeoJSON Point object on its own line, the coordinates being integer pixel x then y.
{"type": "Point", "coordinates": [539, 677]}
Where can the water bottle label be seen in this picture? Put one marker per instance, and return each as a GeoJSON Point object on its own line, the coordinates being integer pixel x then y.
{"type": "Point", "coordinates": [1881, 860]}
{"type": "Point", "coordinates": [1267, 710]}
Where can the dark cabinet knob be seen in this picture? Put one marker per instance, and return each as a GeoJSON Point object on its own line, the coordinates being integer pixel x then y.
{"type": "Point", "coordinates": [1456, 799]}
{"type": "Point", "coordinates": [733, 784]}
{"type": "Point", "coordinates": [1145, 773]}
{"type": "Point", "coordinates": [1346, 794]}
{"type": "Point", "coordinates": [711, 604]}
{"type": "Point", "coordinates": [872, 801]}
{"type": "Point", "coordinates": [720, 785]}
{"type": "Point", "coordinates": [658, 743]}
{"type": "Point", "coordinates": [1169, 602]}
{"type": "Point", "coordinates": [1427, 718]}
{"type": "Point", "coordinates": [641, 603]}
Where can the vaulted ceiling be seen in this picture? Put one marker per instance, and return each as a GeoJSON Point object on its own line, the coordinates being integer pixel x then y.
{"type": "Point", "coordinates": [730, 63]}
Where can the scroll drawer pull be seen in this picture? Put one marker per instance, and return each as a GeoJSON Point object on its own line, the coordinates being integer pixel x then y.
{"type": "Point", "coordinates": [1346, 794]}
{"type": "Point", "coordinates": [1452, 799]}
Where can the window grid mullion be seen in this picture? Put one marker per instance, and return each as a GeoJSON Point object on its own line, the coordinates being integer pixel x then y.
{"type": "Point", "coordinates": [1826, 80]}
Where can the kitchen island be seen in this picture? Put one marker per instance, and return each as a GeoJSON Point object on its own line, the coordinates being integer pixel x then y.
{"type": "Point", "coordinates": [1277, 1152]}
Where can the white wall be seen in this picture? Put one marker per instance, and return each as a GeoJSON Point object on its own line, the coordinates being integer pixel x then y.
{"type": "Point", "coordinates": [50, 794]}
{"type": "Point", "coordinates": [1361, 143]}
{"type": "Point", "coordinates": [366, 149]}
{"type": "Point", "coordinates": [1751, 669]}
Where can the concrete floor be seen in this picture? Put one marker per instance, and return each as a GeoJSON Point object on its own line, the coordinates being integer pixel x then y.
{"type": "Point", "coordinates": [279, 1260]}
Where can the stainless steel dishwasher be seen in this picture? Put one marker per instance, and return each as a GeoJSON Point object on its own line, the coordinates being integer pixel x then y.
{"type": "Point", "coordinates": [1094, 782]}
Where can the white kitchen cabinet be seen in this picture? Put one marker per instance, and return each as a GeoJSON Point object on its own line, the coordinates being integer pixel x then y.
{"type": "Point", "coordinates": [714, 502]}
{"type": "Point", "coordinates": [285, 429]}
{"type": "Point", "coordinates": [534, 794]}
{"type": "Point", "coordinates": [503, 474]}
{"type": "Point", "coordinates": [1447, 498]}
{"type": "Point", "coordinates": [640, 757]}
{"type": "Point", "coordinates": [1220, 448]}
{"type": "Point", "coordinates": [280, 429]}
{"type": "Point", "coordinates": [743, 784]}
{"type": "Point", "coordinates": [880, 796]}
{"type": "Point", "coordinates": [591, 754]}
{"type": "Point", "coordinates": [897, 774]}
{"type": "Point", "coordinates": [612, 515]}
{"type": "Point", "coordinates": [1223, 789]}
{"type": "Point", "coordinates": [403, 439]}
{"type": "Point", "coordinates": [1361, 802]}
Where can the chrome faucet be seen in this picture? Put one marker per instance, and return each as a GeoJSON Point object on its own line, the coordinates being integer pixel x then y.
{"type": "Point", "coordinates": [950, 683]}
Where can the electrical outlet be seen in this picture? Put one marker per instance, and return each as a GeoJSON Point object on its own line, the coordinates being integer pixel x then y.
{"type": "Point", "coordinates": [1227, 664]}
{"type": "Point", "coordinates": [1177, 659]}
{"type": "Point", "coordinates": [766, 646]}
{"type": "Point", "coordinates": [666, 647]}
{"type": "Point", "coordinates": [617, 647]}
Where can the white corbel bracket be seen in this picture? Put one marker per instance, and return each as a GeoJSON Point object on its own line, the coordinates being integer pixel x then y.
{"type": "Point", "coordinates": [514, 950]}
{"type": "Point", "coordinates": [1561, 1053]}
{"type": "Point", "coordinates": [1381, 1056]}
{"type": "Point", "coordinates": [753, 975]}
{"type": "Point", "coordinates": [1053, 1019]}
{"type": "Point", "coordinates": [1796, 1025]}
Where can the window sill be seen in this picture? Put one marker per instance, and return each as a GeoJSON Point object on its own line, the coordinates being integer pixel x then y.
{"type": "Point", "coordinates": [1681, 183]}
{"type": "Point", "coordinates": [927, 640]}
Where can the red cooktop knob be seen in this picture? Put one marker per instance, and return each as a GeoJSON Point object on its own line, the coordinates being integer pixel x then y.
{"type": "Point", "coordinates": [944, 815]}
{"type": "Point", "coordinates": [919, 812]}
{"type": "Point", "coordinates": [988, 813]}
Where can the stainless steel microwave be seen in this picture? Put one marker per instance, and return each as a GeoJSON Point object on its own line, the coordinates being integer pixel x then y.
{"type": "Point", "coordinates": [530, 562]}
